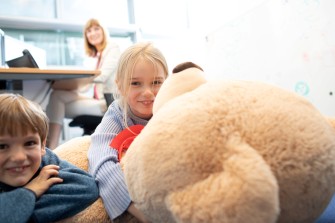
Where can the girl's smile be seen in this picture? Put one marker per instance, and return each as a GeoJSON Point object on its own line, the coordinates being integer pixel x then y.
{"type": "Point", "coordinates": [145, 83]}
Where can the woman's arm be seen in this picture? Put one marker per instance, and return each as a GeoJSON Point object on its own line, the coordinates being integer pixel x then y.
{"type": "Point", "coordinates": [108, 63]}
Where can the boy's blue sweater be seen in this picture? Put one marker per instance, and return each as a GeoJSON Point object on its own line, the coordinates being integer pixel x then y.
{"type": "Point", "coordinates": [78, 191]}
{"type": "Point", "coordinates": [328, 215]}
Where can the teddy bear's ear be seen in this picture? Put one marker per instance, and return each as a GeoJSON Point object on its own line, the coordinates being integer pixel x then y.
{"type": "Point", "coordinates": [178, 84]}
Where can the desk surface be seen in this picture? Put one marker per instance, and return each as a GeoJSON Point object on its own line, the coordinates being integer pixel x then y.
{"type": "Point", "coordinates": [43, 74]}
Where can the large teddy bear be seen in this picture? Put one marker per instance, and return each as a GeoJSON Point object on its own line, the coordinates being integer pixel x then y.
{"type": "Point", "coordinates": [231, 151]}
{"type": "Point", "coordinates": [75, 151]}
{"type": "Point", "coordinates": [224, 152]}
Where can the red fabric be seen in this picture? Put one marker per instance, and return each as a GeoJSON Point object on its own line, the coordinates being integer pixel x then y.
{"type": "Point", "coordinates": [123, 140]}
{"type": "Point", "coordinates": [95, 92]}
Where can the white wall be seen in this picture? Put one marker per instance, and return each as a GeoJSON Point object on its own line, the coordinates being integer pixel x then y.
{"type": "Point", "coordinates": [288, 43]}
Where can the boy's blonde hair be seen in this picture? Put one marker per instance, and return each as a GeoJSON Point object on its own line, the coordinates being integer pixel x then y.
{"type": "Point", "coordinates": [89, 48]}
{"type": "Point", "coordinates": [128, 59]}
{"type": "Point", "coordinates": [19, 115]}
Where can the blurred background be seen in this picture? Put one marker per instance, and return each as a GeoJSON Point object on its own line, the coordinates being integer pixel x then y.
{"type": "Point", "coordinates": [290, 43]}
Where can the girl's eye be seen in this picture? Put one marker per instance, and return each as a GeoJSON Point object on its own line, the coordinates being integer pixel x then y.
{"type": "Point", "coordinates": [157, 82]}
{"type": "Point", "coordinates": [135, 83]}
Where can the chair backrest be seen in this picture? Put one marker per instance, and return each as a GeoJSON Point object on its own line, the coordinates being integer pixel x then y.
{"type": "Point", "coordinates": [109, 98]}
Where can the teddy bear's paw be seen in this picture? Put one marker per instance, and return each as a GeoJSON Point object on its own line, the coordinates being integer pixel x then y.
{"type": "Point", "coordinates": [245, 191]}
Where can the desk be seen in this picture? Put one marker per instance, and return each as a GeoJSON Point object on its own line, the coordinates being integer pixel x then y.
{"type": "Point", "coordinates": [11, 74]}
{"type": "Point", "coordinates": [41, 74]}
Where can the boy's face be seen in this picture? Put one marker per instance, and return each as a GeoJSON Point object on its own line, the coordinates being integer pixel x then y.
{"type": "Point", "coordinates": [20, 158]}
{"type": "Point", "coordinates": [145, 83]}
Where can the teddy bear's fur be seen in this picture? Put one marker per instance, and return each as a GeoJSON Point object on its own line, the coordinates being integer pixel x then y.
{"type": "Point", "coordinates": [231, 151]}
{"type": "Point", "coordinates": [75, 151]}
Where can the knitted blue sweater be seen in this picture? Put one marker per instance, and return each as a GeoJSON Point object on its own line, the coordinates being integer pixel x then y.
{"type": "Point", "coordinates": [78, 191]}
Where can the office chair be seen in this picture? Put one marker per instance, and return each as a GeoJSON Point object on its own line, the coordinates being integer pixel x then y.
{"type": "Point", "coordinates": [89, 122]}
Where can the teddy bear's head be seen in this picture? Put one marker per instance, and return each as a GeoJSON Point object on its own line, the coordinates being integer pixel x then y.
{"type": "Point", "coordinates": [231, 151]}
{"type": "Point", "coordinates": [191, 77]}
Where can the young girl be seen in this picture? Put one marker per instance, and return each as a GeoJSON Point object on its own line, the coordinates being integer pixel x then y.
{"type": "Point", "coordinates": [69, 104]}
{"type": "Point", "coordinates": [35, 185]}
{"type": "Point", "coordinates": [141, 71]}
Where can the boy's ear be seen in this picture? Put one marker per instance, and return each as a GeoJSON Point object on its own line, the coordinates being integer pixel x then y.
{"type": "Point", "coordinates": [43, 147]}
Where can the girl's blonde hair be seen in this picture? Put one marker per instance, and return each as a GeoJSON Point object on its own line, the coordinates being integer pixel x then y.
{"type": "Point", "coordinates": [21, 116]}
{"type": "Point", "coordinates": [89, 48]}
{"type": "Point", "coordinates": [128, 59]}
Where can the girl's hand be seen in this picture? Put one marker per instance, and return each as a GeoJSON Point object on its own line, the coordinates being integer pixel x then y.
{"type": "Point", "coordinates": [137, 213]}
{"type": "Point", "coordinates": [46, 178]}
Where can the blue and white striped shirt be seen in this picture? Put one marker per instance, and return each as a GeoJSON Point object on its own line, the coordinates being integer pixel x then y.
{"type": "Point", "coordinates": [103, 160]}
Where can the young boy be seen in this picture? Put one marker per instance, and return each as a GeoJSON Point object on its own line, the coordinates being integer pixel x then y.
{"type": "Point", "coordinates": [35, 185]}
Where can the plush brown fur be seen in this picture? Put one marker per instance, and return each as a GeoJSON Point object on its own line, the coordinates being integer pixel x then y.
{"type": "Point", "coordinates": [184, 66]}
{"type": "Point", "coordinates": [75, 151]}
{"type": "Point", "coordinates": [231, 151]}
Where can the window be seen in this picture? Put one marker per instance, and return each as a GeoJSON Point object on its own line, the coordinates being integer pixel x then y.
{"type": "Point", "coordinates": [41, 8]}
{"type": "Point", "coordinates": [56, 25]}
{"type": "Point", "coordinates": [63, 48]}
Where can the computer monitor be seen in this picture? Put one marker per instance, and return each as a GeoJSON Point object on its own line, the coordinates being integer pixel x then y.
{"type": "Point", "coordinates": [2, 49]}
{"type": "Point", "coordinates": [26, 60]}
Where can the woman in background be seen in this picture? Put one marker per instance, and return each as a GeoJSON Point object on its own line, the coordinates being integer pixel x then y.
{"type": "Point", "coordinates": [71, 103]}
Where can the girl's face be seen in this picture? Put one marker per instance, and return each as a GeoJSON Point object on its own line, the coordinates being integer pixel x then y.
{"type": "Point", "coordinates": [144, 86]}
{"type": "Point", "coordinates": [95, 35]}
{"type": "Point", "coordinates": [20, 158]}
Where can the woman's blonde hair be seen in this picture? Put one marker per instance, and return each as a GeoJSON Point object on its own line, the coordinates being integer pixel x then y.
{"type": "Point", "coordinates": [19, 115]}
{"type": "Point", "coordinates": [89, 48]}
{"type": "Point", "coordinates": [128, 59]}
